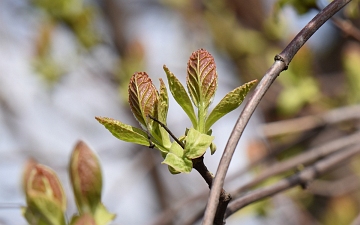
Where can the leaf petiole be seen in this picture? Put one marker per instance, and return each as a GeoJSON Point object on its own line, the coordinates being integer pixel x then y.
{"type": "Point", "coordinates": [167, 130]}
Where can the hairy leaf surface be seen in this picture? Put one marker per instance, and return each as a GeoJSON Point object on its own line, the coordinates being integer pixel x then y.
{"type": "Point", "coordinates": [181, 97]}
{"type": "Point", "coordinates": [196, 144]}
{"type": "Point", "coordinates": [201, 78]}
{"type": "Point", "coordinates": [124, 132]}
{"type": "Point", "coordinates": [231, 101]}
{"type": "Point", "coordinates": [143, 98]}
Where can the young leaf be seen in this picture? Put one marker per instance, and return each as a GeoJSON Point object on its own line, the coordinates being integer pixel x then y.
{"type": "Point", "coordinates": [103, 216]}
{"type": "Point", "coordinates": [182, 165]}
{"type": "Point", "coordinates": [163, 106]}
{"type": "Point", "coordinates": [124, 132]}
{"type": "Point", "coordinates": [231, 101]}
{"type": "Point", "coordinates": [43, 180]}
{"type": "Point", "coordinates": [143, 98]}
{"type": "Point", "coordinates": [196, 144]}
{"type": "Point", "coordinates": [176, 160]}
{"type": "Point", "coordinates": [179, 93]}
{"type": "Point", "coordinates": [128, 133]}
{"type": "Point", "coordinates": [201, 78]}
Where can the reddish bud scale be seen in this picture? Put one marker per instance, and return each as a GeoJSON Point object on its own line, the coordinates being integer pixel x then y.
{"type": "Point", "coordinates": [201, 77]}
{"type": "Point", "coordinates": [143, 97]}
{"type": "Point", "coordinates": [85, 219]}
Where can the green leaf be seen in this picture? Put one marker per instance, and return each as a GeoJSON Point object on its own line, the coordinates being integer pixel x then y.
{"type": "Point", "coordinates": [176, 160]}
{"type": "Point", "coordinates": [124, 132]}
{"type": "Point", "coordinates": [183, 165]}
{"type": "Point", "coordinates": [103, 216]}
{"type": "Point", "coordinates": [231, 101]}
{"type": "Point", "coordinates": [172, 170]}
{"type": "Point", "coordinates": [196, 144]}
{"type": "Point", "coordinates": [163, 106]}
{"type": "Point", "coordinates": [179, 93]}
{"type": "Point", "coordinates": [143, 98]}
{"type": "Point", "coordinates": [43, 210]}
{"type": "Point", "coordinates": [201, 78]}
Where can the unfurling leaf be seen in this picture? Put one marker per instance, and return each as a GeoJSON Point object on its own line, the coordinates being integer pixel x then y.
{"type": "Point", "coordinates": [128, 133]}
{"type": "Point", "coordinates": [124, 132]}
{"type": "Point", "coordinates": [181, 97]}
{"type": "Point", "coordinates": [42, 210]}
{"type": "Point", "coordinates": [103, 216]}
{"type": "Point", "coordinates": [231, 101]}
{"type": "Point", "coordinates": [196, 144]}
{"type": "Point", "coordinates": [177, 161]}
{"type": "Point", "coordinates": [163, 104]}
{"type": "Point", "coordinates": [201, 78]}
{"type": "Point", "coordinates": [143, 98]}
{"type": "Point", "coordinates": [30, 164]}
{"type": "Point", "coordinates": [43, 180]}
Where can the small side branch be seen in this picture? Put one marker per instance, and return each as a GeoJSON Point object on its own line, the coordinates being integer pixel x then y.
{"type": "Point", "coordinates": [167, 130]}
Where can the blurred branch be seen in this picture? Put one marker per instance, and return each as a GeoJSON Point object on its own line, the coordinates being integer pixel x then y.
{"type": "Point", "coordinates": [310, 122]}
{"type": "Point", "coordinates": [304, 158]}
{"type": "Point", "coordinates": [275, 150]}
{"type": "Point", "coordinates": [115, 16]}
{"type": "Point", "coordinates": [335, 188]}
{"type": "Point", "coordinates": [356, 221]}
{"type": "Point", "coordinates": [281, 63]}
{"type": "Point", "coordinates": [347, 27]}
{"type": "Point", "coordinates": [303, 177]}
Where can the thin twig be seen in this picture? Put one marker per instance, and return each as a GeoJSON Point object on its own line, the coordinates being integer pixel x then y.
{"type": "Point", "coordinates": [347, 27]}
{"type": "Point", "coordinates": [167, 130]}
{"type": "Point", "coordinates": [303, 177]}
{"type": "Point", "coordinates": [310, 122]}
{"type": "Point", "coordinates": [281, 63]}
{"type": "Point", "coordinates": [335, 188]}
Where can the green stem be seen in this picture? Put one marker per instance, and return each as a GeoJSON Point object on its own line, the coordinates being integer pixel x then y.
{"type": "Point", "coordinates": [201, 118]}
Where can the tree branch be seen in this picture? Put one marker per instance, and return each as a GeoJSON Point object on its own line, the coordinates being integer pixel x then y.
{"type": "Point", "coordinates": [224, 198]}
{"type": "Point", "coordinates": [281, 63]}
{"type": "Point", "coordinates": [303, 177]}
{"type": "Point", "coordinates": [304, 158]}
{"type": "Point", "coordinates": [310, 122]}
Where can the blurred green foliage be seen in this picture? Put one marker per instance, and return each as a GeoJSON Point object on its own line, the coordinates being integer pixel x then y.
{"type": "Point", "coordinates": [78, 17]}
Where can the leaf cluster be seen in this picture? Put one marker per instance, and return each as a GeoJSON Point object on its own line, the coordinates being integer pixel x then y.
{"type": "Point", "coordinates": [150, 108]}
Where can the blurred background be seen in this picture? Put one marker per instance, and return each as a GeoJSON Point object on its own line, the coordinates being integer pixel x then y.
{"type": "Point", "coordinates": [64, 62]}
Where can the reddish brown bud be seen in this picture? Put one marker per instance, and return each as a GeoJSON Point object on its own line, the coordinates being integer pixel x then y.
{"type": "Point", "coordinates": [143, 97]}
{"type": "Point", "coordinates": [86, 179]}
{"type": "Point", "coordinates": [201, 77]}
